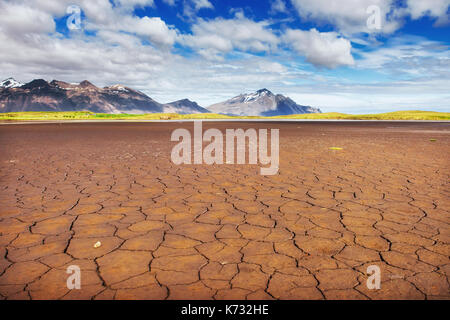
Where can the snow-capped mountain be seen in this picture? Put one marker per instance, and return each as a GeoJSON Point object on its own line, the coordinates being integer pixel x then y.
{"type": "Point", "coordinates": [40, 95]}
{"type": "Point", "coordinates": [10, 83]}
{"type": "Point", "coordinates": [260, 103]}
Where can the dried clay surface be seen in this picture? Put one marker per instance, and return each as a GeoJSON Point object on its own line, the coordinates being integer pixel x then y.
{"type": "Point", "coordinates": [225, 231]}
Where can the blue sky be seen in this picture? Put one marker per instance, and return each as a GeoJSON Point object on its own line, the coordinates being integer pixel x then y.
{"type": "Point", "coordinates": [354, 56]}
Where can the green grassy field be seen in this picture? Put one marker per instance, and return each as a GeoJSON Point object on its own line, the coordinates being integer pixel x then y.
{"type": "Point", "coordinates": [397, 115]}
{"type": "Point", "coordinates": [85, 115]}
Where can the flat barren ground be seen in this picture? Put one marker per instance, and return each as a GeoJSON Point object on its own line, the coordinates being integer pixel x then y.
{"type": "Point", "coordinates": [225, 231]}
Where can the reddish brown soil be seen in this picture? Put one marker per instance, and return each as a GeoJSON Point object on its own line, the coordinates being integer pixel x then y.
{"type": "Point", "coordinates": [224, 231]}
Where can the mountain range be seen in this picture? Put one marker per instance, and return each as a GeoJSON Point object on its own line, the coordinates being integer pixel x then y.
{"type": "Point", "coordinates": [40, 95]}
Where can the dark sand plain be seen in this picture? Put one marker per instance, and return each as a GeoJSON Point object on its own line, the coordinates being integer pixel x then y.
{"type": "Point", "coordinates": [225, 231]}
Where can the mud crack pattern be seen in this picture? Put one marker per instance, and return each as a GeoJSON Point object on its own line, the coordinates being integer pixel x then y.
{"type": "Point", "coordinates": [224, 231]}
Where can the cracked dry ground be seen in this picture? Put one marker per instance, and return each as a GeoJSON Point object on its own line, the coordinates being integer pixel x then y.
{"type": "Point", "coordinates": [224, 232]}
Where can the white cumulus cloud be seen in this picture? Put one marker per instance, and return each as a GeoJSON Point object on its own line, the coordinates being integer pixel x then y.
{"type": "Point", "coordinates": [18, 19]}
{"type": "Point", "coordinates": [135, 3]}
{"type": "Point", "coordinates": [221, 35]}
{"type": "Point", "coordinates": [278, 6]}
{"type": "Point", "coordinates": [349, 16]}
{"type": "Point", "coordinates": [434, 8]}
{"type": "Point", "coordinates": [200, 4]}
{"type": "Point", "coordinates": [323, 49]}
{"type": "Point", "coordinates": [191, 7]}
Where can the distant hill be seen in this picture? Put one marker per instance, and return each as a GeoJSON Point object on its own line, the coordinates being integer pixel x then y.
{"type": "Point", "coordinates": [184, 106]}
{"type": "Point", "coordinates": [261, 103]}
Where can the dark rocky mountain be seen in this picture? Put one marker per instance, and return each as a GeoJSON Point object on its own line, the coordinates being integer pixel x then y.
{"type": "Point", "coordinates": [261, 103]}
{"type": "Point", "coordinates": [40, 95]}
